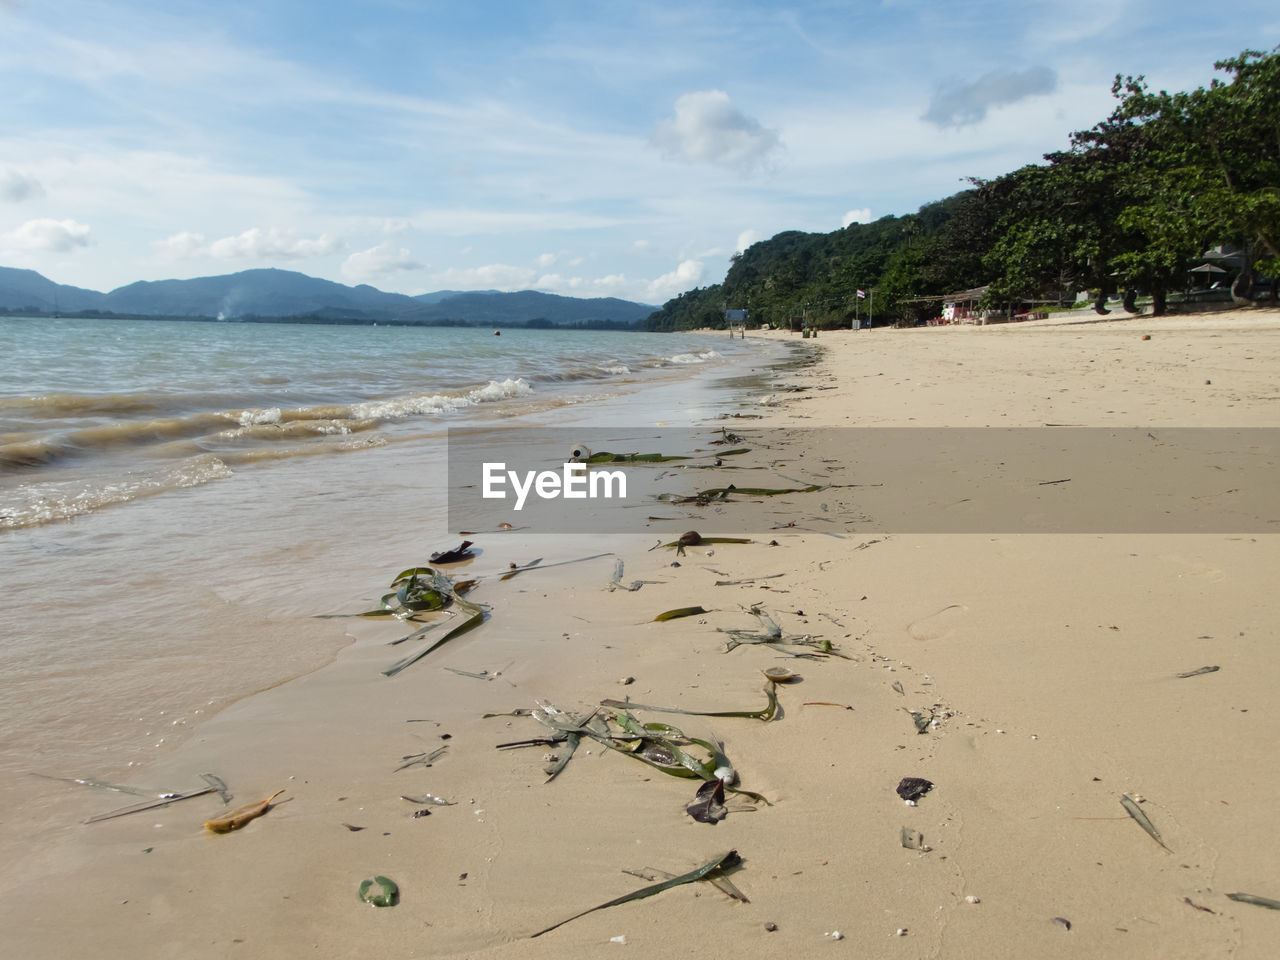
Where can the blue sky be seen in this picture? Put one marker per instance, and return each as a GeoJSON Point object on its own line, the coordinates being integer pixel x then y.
{"type": "Point", "coordinates": [586, 149]}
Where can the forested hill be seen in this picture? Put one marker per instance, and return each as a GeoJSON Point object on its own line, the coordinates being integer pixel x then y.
{"type": "Point", "coordinates": [820, 273]}
{"type": "Point", "coordinates": [1131, 205]}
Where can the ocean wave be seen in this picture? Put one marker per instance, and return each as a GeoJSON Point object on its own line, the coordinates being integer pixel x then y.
{"type": "Point", "coordinates": [33, 504]}
{"type": "Point", "coordinates": [251, 417]}
{"type": "Point", "coordinates": [29, 453]}
{"type": "Point", "coordinates": [212, 430]}
{"type": "Point", "coordinates": [276, 430]}
{"type": "Point", "coordinates": [268, 454]}
{"type": "Point", "coordinates": [701, 357]}
{"type": "Point", "coordinates": [582, 371]}
{"type": "Point", "coordinates": [35, 451]}
{"type": "Point", "coordinates": [75, 404]}
{"type": "Point", "coordinates": [436, 403]}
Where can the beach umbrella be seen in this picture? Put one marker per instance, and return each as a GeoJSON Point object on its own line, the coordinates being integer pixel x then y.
{"type": "Point", "coordinates": [1207, 268]}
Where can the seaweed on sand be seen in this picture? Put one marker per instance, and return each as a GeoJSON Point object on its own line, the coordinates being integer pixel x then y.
{"type": "Point", "coordinates": [724, 863]}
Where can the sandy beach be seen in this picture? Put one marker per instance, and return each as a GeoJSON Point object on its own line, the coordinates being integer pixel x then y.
{"type": "Point", "coordinates": [1044, 667]}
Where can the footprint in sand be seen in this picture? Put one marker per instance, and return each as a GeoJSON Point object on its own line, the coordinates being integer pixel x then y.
{"type": "Point", "coordinates": [939, 625]}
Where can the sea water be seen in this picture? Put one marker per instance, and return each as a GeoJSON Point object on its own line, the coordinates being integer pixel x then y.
{"type": "Point", "coordinates": [179, 501]}
{"type": "Point", "coordinates": [95, 413]}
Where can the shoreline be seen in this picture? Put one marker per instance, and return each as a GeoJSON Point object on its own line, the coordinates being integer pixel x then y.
{"type": "Point", "coordinates": [1048, 663]}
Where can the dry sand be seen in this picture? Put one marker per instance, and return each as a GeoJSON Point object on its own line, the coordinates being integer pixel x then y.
{"type": "Point", "coordinates": [1050, 663]}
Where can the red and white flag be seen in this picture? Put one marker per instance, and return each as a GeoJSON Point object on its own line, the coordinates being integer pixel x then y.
{"type": "Point", "coordinates": [862, 295]}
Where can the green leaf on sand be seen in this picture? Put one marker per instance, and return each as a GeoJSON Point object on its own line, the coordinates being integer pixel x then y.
{"type": "Point", "coordinates": [756, 491]}
{"type": "Point", "coordinates": [766, 714]}
{"type": "Point", "coordinates": [473, 617]}
{"type": "Point", "coordinates": [705, 540]}
{"type": "Point", "coordinates": [515, 569]}
{"type": "Point", "coordinates": [661, 746]}
{"type": "Point", "coordinates": [605, 456]}
{"type": "Point", "coordinates": [724, 862]}
{"type": "Point", "coordinates": [552, 769]}
{"type": "Point", "coordinates": [678, 613]}
{"type": "Point", "coordinates": [1131, 807]}
{"type": "Point", "coordinates": [723, 493]}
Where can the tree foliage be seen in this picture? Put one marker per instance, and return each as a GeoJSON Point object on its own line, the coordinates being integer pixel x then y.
{"type": "Point", "coordinates": [1128, 205]}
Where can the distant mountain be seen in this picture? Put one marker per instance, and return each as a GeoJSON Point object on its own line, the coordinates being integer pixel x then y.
{"type": "Point", "coordinates": [496, 309]}
{"type": "Point", "coordinates": [442, 294]}
{"type": "Point", "coordinates": [269, 293]}
{"type": "Point", "coordinates": [26, 288]}
{"type": "Point", "coordinates": [257, 293]}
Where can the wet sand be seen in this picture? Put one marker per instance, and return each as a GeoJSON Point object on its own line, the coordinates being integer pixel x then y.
{"type": "Point", "coordinates": [1049, 664]}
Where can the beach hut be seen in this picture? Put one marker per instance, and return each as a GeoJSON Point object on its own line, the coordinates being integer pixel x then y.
{"type": "Point", "coordinates": [958, 307]}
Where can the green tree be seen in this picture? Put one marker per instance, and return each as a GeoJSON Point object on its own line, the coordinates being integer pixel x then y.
{"type": "Point", "coordinates": [1214, 164]}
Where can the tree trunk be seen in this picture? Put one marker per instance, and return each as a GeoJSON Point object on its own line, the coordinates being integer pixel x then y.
{"type": "Point", "coordinates": [1242, 286]}
{"type": "Point", "coordinates": [1158, 300]}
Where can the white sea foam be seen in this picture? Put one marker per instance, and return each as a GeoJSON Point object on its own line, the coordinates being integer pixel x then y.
{"type": "Point", "coordinates": [701, 357]}
{"type": "Point", "coordinates": [294, 429]}
{"type": "Point", "coordinates": [37, 503]}
{"type": "Point", "coordinates": [618, 369]}
{"type": "Point", "coordinates": [250, 417]}
{"type": "Point", "coordinates": [437, 403]}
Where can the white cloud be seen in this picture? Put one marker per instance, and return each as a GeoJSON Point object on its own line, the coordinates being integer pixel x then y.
{"type": "Point", "coordinates": [395, 225]}
{"type": "Point", "coordinates": [745, 239]}
{"type": "Point", "coordinates": [493, 276]}
{"type": "Point", "coordinates": [859, 215]}
{"type": "Point", "coordinates": [182, 246]}
{"type": "Point", "coordinates": [45, 234]}
{"type": "Point", "coordinates": [968, 103]}
{"type": "Point", "coordinates": [258, 244]}
{"type": "Point", "coordinates": [1072, 21]}
{"type": "Point", "coordinates": [682, 278]}
{"type": "Point", "coordinates": [16, 186]}
{"type": "Point", "coordinates": [553, 281]}
{"type": "Point", "coordinates": [273, 244]}
{"type": "Point", "coordinates": [365, 266]}
{"type": "Point", "coordinates": [613, 285]}
{"type": "Point", "coordinates": [708, 128]}
{"type": "Point", "coordinates": [546, 259]}
{"type": "Point", "coordinates": [484, 222]}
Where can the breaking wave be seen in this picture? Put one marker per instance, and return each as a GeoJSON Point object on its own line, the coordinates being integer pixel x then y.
{"type": "Point", "coordinates": [33, 504]}
{"type": "Point", "coordinates": [221, 430]}
{"type": "Point", "coordinates": [437, 403]}
{"type": "Point", "coordinates": [701, 357]}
